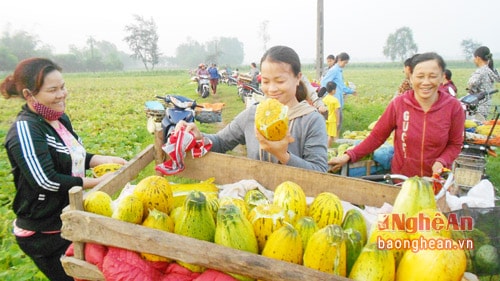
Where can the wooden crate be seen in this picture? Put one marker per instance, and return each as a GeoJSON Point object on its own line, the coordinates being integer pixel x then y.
{"type": "Point", "coordinates": [82, 227]}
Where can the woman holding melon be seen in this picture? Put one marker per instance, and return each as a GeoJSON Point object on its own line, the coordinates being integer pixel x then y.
{"type": "Point", "coordinates": [428, 124]}
{"type": "Point", "coordinates": [47, 159]}
{"type": "Point", "coordinates": [290, 132]}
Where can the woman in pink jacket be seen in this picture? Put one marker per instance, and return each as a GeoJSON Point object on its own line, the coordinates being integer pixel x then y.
{"type": "Point", "coordinates": [428, 124]}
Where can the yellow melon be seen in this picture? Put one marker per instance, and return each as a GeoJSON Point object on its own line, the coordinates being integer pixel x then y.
{"type": "Point", "coordinates": [271, 119]}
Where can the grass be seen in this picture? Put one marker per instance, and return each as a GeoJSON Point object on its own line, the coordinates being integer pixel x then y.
{"type": "Point", "coordinates": [107, 110]}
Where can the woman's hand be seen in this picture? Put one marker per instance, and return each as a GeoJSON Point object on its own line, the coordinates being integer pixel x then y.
{"type": "Point", "coordinates": [338, 162]}
{"type": "Point", "coordinates": [189, 127]}
{"type": "Point", "coordinates": [91, 182]}
{"type": "Point", "coordinates": [101, 159]}
{"type": "Point", "coordinates": [437, 168]}
{"type": "Point", "coordinates": [278, 149]}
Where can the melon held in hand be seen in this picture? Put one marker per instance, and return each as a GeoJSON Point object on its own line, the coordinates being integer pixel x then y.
{"type": "Point", "coordinates": [271, 119]}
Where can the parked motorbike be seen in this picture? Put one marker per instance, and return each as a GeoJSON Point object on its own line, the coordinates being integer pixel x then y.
{"type": "Point", "coordinates": [177, 108]}
{"type": "Point", "coordinates": [472, 160]}
{"type": "Point", "coordinates": [232, 81]}
{"type": "Point", "coordinates": [249, 93]}
{"type": "Point", "coordinates": [227, 78]}
{"type": "Point", "coordinates": [247, 88]}
{"type": "Point", "coordinates": [472, 102]}
{"type": "Point", "coordinates": [204, 85]}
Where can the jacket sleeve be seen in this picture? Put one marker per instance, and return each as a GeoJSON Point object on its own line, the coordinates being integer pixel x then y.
{"type": "Point", "coordinates": [339, 80]}
{"type": "Point", "coordinates": [29, 150]}
{"type": "Point", "coordinates": [315, 151]}
{"type": "Point", "coordinates": [233, 134]}
{"type": "Point", "coordinates": [456, 137]}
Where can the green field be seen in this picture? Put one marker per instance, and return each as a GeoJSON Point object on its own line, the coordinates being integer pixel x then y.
{"type": "Point", "coordinates": [107, 110]}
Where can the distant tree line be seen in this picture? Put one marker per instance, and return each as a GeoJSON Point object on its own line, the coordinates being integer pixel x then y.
{"type": "Point", "coordinates": [400, 45]}
{"type": "Point", "coordinates": [99, 56]}
{"type": "Point", "coordinates": [142, 39]}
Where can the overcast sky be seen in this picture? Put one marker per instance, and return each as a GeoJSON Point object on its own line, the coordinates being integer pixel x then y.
{"type": "Point", "coordinates": [358, 27]}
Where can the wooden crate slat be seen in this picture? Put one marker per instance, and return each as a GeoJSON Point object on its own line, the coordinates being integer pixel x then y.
{"type": "Point", "coordinates": [230, 169]}
{"type": "Point", "coordinates": [81, 269]}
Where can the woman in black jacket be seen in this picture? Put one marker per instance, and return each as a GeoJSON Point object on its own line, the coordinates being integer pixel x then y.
{"type": "Point", "coordinates": [47, 159]}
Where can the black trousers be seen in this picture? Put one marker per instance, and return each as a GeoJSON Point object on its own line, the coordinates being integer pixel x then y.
{"type": "Point", "coordinates": [46, 250]}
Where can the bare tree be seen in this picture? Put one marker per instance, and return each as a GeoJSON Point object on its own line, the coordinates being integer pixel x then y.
{"type": "Point", "coordinates": [400, 44]}
{"type": "Point", "coordinates": [468, 48]}
{"type": "Point", "coordinates": [143, 41]}
{"type": "Point", "coordinates": [264, 34]}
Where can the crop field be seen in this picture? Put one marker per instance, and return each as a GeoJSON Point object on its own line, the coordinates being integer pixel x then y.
{"type": "Point", "coordinates": [107, 111]}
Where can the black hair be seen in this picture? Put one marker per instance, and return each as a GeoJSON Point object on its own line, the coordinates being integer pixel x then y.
{"type": "Point", "coordinates": [343, 57]}
{"type": "Point", "coordinates": [447, 74]}
{"type": "Point", "coordinates": [484, 53]}
{"type": "Point", "coordinates": [330, 86]}
{"type": "Point", "coordinates": [330, 57]}
{"type": "Point", "coordinates": [426, 57]}
{"type": "Point", "coordinates": [289, 56]}
{"type": "Point", "coordinates": [29, 74]}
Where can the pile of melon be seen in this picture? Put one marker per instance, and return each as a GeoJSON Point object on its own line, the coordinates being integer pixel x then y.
{"type": "Point", "coordinates": [319, 235]}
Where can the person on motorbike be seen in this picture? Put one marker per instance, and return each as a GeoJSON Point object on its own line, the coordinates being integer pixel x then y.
{"type": "Point", "coordinates": [428, 124]}
{"type": "Point", "coordinates": [483, 78]}
{"type": "Point", "coordinates": [305, 144]}
{"type": "Point", "coordinates": [202, 70]}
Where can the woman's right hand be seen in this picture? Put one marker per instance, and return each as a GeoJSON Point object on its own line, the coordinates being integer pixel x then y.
{"type": "Point", "coordinates": [189, 127]}
{"type": "Point", "coordinates": [336, 163]}
{"type": "Point", "coordinates": [89, 183]}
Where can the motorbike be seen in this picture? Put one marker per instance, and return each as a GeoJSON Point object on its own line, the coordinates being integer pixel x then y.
{"type": "Point", "coordinates": [472, 159]}
{"type": "Point", "coordinates": [204, 86]}
{"type": "Point", "coordinates": [249, 93]}
{"type": "Point", "coordinates": [231, 81]}
{"type": "Point", "coordinates": [177, 108]}
{"type": "Point", "coordinates": [248, 90]}
{"type": "Point", "coordinates": [227, 78]}
{"type": "Point", "coordinates": [472, 102]}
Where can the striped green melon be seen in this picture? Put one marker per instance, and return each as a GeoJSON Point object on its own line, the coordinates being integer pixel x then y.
{"type": "Point", "coordinates": [235, 231]}
{"type": "Point", "coordinates": [354, 219]}
{"type": "Point", "coordinates": [98, 202]}
{"type": "Point", "coordinates": [265, 219]}
{"type": "Point", "coordinates": [284, 244]}
{"type": "Point", "coordinates": [292, 199]}
{"type": "Point", "coordinates": [326, 209]}
{"type": "Point", "coordinates": [306, 227]}
{"type": "Point", "coordinates": [155, 193]}
{"type": "Point", "coordinates": [195, 220]}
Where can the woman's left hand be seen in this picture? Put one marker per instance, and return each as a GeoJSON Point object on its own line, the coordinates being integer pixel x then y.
{"type": "Point", "coordinates": [102, 159]}
{"type": "Point", "coordinates": [437, 168]}
{"type": "Point", "coordinates": [278, 149]}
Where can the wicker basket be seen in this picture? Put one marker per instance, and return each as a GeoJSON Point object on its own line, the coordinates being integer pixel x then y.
{"type": "Point", "coordinates": [470, 162]}
{"type": "Point", "coordinates": [155, 110]}
{"type": "Point", "coordinates": [467, 178]}
{"type": "Point", "coordinates": [157, 115]}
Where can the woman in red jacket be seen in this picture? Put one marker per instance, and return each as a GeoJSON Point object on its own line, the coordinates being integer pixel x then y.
{"type": "Point", "coordinates": [428, 124]}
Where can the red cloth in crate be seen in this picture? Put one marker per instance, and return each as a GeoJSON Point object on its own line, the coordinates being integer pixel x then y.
{"type": "Point", "coordinates": [125, 265]}
{"type": "Point", "coordinates": [175, 272]}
